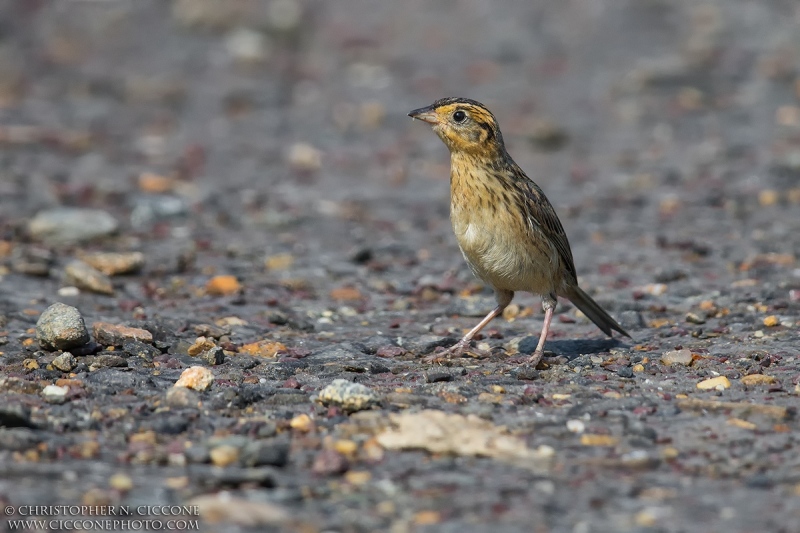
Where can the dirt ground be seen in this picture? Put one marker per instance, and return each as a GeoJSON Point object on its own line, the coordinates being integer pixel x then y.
{"type": "Point", "coordinates": [259, 156]}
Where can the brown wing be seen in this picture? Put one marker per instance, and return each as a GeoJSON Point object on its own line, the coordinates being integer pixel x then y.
{"type": "Point", "coordinates": [543, 217]}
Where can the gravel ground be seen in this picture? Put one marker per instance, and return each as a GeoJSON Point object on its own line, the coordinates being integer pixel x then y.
{"type": "Point", "coordinates": [231, 194]}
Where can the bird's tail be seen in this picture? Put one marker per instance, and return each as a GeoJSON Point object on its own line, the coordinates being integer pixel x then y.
{"type": "Point", "coordinates": [592, 309]}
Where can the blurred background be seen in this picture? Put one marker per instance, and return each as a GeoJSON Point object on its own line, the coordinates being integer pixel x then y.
{"type": "Point", "coordinates": [281, 124]}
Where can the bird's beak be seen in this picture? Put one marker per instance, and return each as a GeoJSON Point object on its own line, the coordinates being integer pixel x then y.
{"type": "Point", "coordinates": [425, 114]}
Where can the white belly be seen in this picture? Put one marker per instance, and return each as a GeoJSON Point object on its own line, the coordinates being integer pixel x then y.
{"type": "Point", "coordinates": [505, 265]}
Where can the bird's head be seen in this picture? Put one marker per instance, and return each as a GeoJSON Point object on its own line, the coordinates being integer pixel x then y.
{"type": "Point", "coordinates": [465, 126]}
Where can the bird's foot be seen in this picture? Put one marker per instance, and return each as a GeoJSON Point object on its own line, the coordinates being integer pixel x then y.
{"type": "Point", "coordinates": [535, 359]}
{"type": "Point", "coordinates": [457, 350]}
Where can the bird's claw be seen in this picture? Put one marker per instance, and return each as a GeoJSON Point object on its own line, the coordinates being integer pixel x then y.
{"type": "Point", "coordinates": [457, 350]}
{"type": "Point", "coordinates": [535, 359]}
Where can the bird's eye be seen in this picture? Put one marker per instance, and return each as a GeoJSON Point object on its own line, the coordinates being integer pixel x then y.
{"type": "Point", "coordinates": [459, 116]}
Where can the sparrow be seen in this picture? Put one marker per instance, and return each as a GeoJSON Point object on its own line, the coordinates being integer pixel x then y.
{"type": "Point", "coordinates": [506, 228]}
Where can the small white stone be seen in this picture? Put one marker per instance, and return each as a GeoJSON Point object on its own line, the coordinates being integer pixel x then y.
{"type": "Point", "coordinates": [70, 291]}
{"type": "Point", "coordinates": [576, 426]}
{"type": "Point", "coordinates": [55, 394]}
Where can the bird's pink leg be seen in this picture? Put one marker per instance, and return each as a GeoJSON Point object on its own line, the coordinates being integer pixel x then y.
{"type": "Point", "coordinates": [503, 299]}
{"type": "Point", "coordinates": [549, 305]}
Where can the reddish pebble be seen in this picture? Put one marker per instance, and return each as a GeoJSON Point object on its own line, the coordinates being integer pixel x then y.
{"type": "Point", "coordinates": [291, 383]}
{"type": "Point", "coordinates": [329, 462]}
{"type": "Point", "coordinates": [390, 351]}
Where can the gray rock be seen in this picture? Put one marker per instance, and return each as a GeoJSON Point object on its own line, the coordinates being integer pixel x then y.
{"type": "Point", "coordinates": [148, 210]}
{"type": "Point", "coordinates": [87, 278]}
{"type": "Point", "coordinates": [287, 398]}
{"type": "Point", "coordinates": [106, 360]}
{"type": "Point", "coordinates": [214, 356]}
{"type": "Point", "coordinates": [61, 327]}
{"type": "Point", "coordinates": [140, 349]}
{"type": "Point", "coordinates": [110, 381]}
{"type": "Point", "coordinates": [65, 362]}
{"type": "Point", "coordinates": [182, 397]}
{"type": "Point", "coordinates": [349, 396]}
{"type": "Point", "coordinates": [273, 452]}
{"type": "Point", "coordinates": [71, 225]}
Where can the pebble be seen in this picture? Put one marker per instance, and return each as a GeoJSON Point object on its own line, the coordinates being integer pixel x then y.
{"type": "Point", "coordinates": [693, 318]}
{"type": "Point", "coordinates": [114, 335]}
{"type": "Point", "coordinates": [351, 397]}
{"type": "Point", "coordinates": [525, 373]}
{"type": "Point", "coordinates": [151, 208]}
{"type": "Point", "coordinates": [71, 225]}
{"type": "Point", "coordinates": [69, 292]}
{"type": "Point", "coordinates": [140, 349]}
{"type": "Point", "coordinates": [55, 394]}
{"type": "Point", "coordinates": [106, 360]}
{"type": "Point", "coordinates": [214, 356]}
{"type": "Point", "coordinates": [196, 377]}
{"type": "Point", "coordinates": [210, 330]}
{"type": "Point", "coordinates": [576, 426]}
{"type": "Point", "coordinates": [201, 344]}
{"type": "Point", "coordinates": [113, 264]}
{"type": "Point", "coordinates": [758, 379]}
{"type": "Point", "coordinates": [346, 294]}
{"type": "Point", "coordinates": [590, 439]}
{"type": "Point", "coordinates": [247, 45]}
{"type": "Point", "coordinates": [224, 455]}
{"type": "Point", "coordinates": [182, 397]}
{"type": "Point", "coordinates": [717, 383]}
{"type": "Point", "coordinates": [269, 452]}
{"type": "Point", "coordinates": [121, 482]}
{"type": "Point", "coordinates": [743, 424]}
{"type": "Point", "coordinates": [61, 327]}
{"type": "Point", "coordinates": [654, 289]}
{"type": "Point", "coordinates": [88, 278]}
{"type": "Point", "coordinates": [65, 362]}
{"type": "Point", "coordinates": [329, 462]}
{"type": "Point", "coordinates": [302, 422]}
{"type": "Point", "coordinates": [625, 372]}
{"type": "Point", "coordinates": [155, 183]}
{"type": "Point", "coordinates": [264, 348]}
{"type": "Point", "coordinates": [677, 357]}
{"type": "Point", "coordinates": [772, 321]}
{"type": "Point", "coordinates": [303, 157]}
{"type": "Point", "coordinates": [223, 286]}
